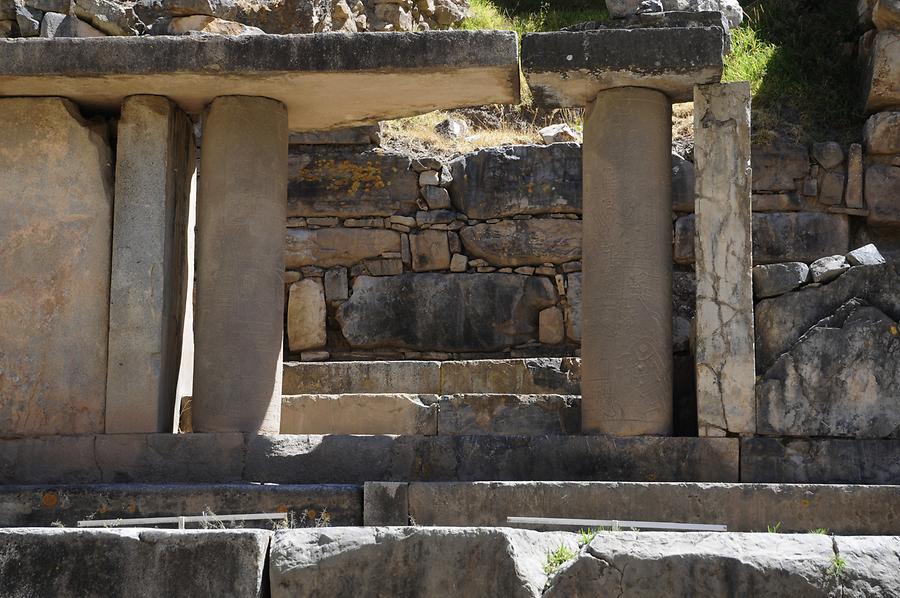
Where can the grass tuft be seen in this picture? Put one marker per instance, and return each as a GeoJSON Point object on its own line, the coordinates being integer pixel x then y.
{"type": "Point", "coordinates": [557, 558]}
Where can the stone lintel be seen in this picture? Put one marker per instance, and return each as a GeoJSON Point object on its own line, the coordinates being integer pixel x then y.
{"type": "Point", "coordinates": [569, 68]}
{"type": "Point", "coordinates": [327, 80]}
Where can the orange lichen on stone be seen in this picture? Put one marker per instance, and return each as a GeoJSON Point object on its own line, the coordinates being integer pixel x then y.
{"type": "Point", "coordinates": [49, 500]}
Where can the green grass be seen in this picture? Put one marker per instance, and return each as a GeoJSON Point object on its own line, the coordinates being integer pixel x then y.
{"type": "Point", "coordinates": [529, 17]}
{"type": "Point", "coordinates": [557, 558]}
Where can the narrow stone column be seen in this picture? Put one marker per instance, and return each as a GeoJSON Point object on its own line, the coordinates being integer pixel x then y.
{"type": "Point", "coordinates": [154, 164]}
{"type": "Point", "coordinates": [627, 263]}
{"type": "Point", "coordinates": [726, 375]}
{"type": "Point", "coordinates": [241, 213]}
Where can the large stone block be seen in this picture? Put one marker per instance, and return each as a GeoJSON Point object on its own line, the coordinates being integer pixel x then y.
{"type": "Point", "coordinates": [779, 165]}
{"type": "Point", "coordinates": [724, 322]}
{"type": "Point", "coordinates": [132, 562]}
{"type": "Point", "coordinates": [781, 321]}
{"type": "Point", "coordinates": [841, 378]}
{"type": "Point", "coordinates": [383, 413]}
{"type": "Point", "coordinates": [547, 375]}
{"type": "Point", "coordinates": [798, 236]}
{"type": "Point", "coordinates": [883, 195]}
{"type": "Point", "coordinates": [509, 414]}
{"type": "Point", "coordinates": [325, 181]}
{"type": "Point", "coordinates": [306, 315]}
{"type": "Point", "coordinates": [518, 179]}
{"type": "Point", "coordinates": [49, 459]}
{"type": "Point", "coordinates": [820, 461]}
{"type": "Point", "coordinates": [430, 250]}
{"type": "Point", "coordinates": [524, 242]}
{"type": "Point", "coordinates": [154, 164]}
{"type": "Point", "coordinates": [54, 265]}
{"type": "Point", "coordinates": [326, 247]}
{"type": "Point", "coordinates": [881, 75]}
{"type": "Point", "coordinates": [411, 561]}
{"type": "Point", "coordinates": [882, 133]}
{"type": "Point", "coordinates": [573, 309]}
{"type": "Point", "coordinates": [444, 312]}
{"type": "Point", "coordinates": [339, 377]}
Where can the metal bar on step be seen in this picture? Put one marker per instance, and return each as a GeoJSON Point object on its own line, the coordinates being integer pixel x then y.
{"type": "Point", "coordinates": [181, 521]}
{"type": "Point", "coordinates": [615, 523]}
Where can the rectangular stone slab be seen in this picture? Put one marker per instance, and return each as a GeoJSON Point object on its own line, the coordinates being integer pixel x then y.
{"type": "Point", "coordinates": [327, 81]}
{"type": "Point", "coordinates": [569, 68]}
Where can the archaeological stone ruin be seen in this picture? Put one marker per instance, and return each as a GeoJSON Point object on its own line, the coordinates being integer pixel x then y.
{"type": "Point", "coordinates": [249, 346]}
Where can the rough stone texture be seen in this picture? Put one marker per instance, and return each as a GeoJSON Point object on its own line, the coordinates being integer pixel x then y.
{"type": "Point", "coordinates": [239, 306]}
{"type": "Point", "coordinates": [881, 85]}
{"type": "Point", "coordinates": [781, 321]}
{"type": "Point", "coordinates": [306, 315]}
{"type": "Point", "coordinates": [798, 236]}
{"type": "Point", "coordinates": [55, 259]}
{"type": "Point", "coordinates": [867, 255]}
{"type": "Point", "coordinates": [573, 310]}
{"type": "Point", "coordinates": [682, 184]}
{"type": "Point", "coordinates": [882, 197]}
{"type": "Point", "coordinates": [446, 309]}
{"type": "Point", "coordinates": [853, 195]}
{"type": "Point", "coordinates": [359, 414]}
{"type": "Point", "coordinates": [742, 507]}
{"type": "Point", "coordinates": [778, 165]}
{"type": "Point", "coordinates": [328, 181]}
{"type": "Point", "coordinates": [131, 562]}
{"type": "Point", "coordinates": [627, 290]}
{"type": "Point", "coordinates": [519, 179]}
{"type": "Point", "coordinates": [569, 68]}
{"type": "Point", "coordinates": [724, 323]}
{"type": "Point", "coordinates": [684, 303]}
{"type": "Point", "coordinates": [820, 461]}
{"type": "Point", "coordinates": [730, 8]}
{"type": "Point", "coordinates": [842, 378]}
{"type": "Point", "coordinates": [327, 247]}
{"type": "Point", "coordinates": [551, 327]}
{"type": "Point", "coordinates": [524, 242]}
{"type": "Point", "coordinates": [771, 280]}
{"type": "Point", "coordinates": [336, 284]}
{"type": "Point", "coordinates": [338, 377]}
{"type": "Point", "coordinates": [154, 164]}
{"type": "Point", "coordinates": [208, 25]}
{"type": "Point", "coordinates": [828, 154]}
{"type": "Point", "coordinates": [886, 15]}
{"type": "Point", "coordinates": [685, 237]}
{"type": "Point", "coordinates": [112, 18]}
{"type": "Point", "coordinates": [527, 376]}
{"type": "Point", "coordinates": [509, 414]}
{"type": "Point", "coordinates": [384, 561]}
{"type": "Point", "coordinates": [45, 504]}
{"type": "Point", "coordinates": [386, 503]}
{"type": "Point", "coordinates": [430, 250]}
{"type": "Point", "coordinates": [882, 133]}
{"type": "Point", "coordinates": [347, 87]}
{"type": "Point", "coordinates": [826, 269]}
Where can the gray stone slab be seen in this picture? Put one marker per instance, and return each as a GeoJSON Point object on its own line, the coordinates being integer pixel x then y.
{"type": "Point", "coordinates": [49, 459]}
{"type": "Point", "coordinates": [381, 413]}
{"type": "Point", "coordinates": [881, 72]}
{"type": "Point", "coordinates": [569, 68]}
{"type": "Point", "coordinates": [842, 509]}
{"type": "Point", "coordinates": [798, 236]}
{"type": "Point", "coordinates": [539, 375]}
{"type": "Point", "coordinates": [328, 80]}
{"type": "Point", "coordinates": [509, 414]}
{"type": "Point", "coordinates": [46, 504]}
{"type": "Point", "coordinates": [76, 563]}
{"type": "Point", "coordinates": [820, 461]}
{"type": "Point", "coordinates": [337, 377]}
{"type": "Point", "coordinates": [524, 242]}
{"type": "Point", "coordinates": [386, 503]}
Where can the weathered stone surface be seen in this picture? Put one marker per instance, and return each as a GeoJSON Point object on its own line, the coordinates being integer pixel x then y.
{"type": "Point", "coordinates": [8, 27]}
{"type": "Point", "coordinates": [55, 263]}
{"type": "Point", "coordinates": [551, 329]}
{"type": "Point", "coordinates": [831, 188]}
{"type": "Point", "coordinates": [347, 87]}
{"type": "Point", "coordinates": [42, 505]}
{"type": "Point", "coordinates": [401, 561]}
{"type": "Point", "coordinates": [853, 194]}
{"type": "Point", "coordinates": [518, 179]}
{"type": "Point", "coordinates": [530, 376]}
{"type": "Point", "coordinates": [437, 198]}
{"type": "Point", "coordinates": [882, 196]}
{"type": "Point", "coordinates": [771, 280]}
{"type": "Point", "coordinates": [386, 503]}
{"type": "Point", "coordinates": [820, 461]}
{"type": "Point", "coordinates": [59, 25]}
{"type": "Point", "coordinates": [842, 378]}
{"type": "Point", "coordinates": [828, 268]}
{"type": "Point", "coordinates": [778, 165]}
{"type": "Point", "coordinates": [685, 233]}
{"type": "Point", "coordinates": [886, 15]}
{"type": "Point", "coordinates": [684, 302]}
{"type": "Point", "coordinates": [798, 236]}
{"type": "Point", "coordinates": [327, 247]}
{"type": "Point", "coordinates": [867, 255]}
{"type": "Point", "coordinates": [447, 308]}
{"type": "Point", "coordinates": [132, 562]}
{"type": "Point", "coordinates": [524, 242]}
{"type": "Point", "coordinates": [882, 133]}
{"type": "Point", "coordinates": [430, 250]}
{"type": "Point", "coordinates": [326, 181]}
{"type": "Point", "coordinates": [362, 135]}
{"type": "Point", "coordinates": [336, 284]}
{"type": "Point", "coordinates": [780, 321]}
{"type": "Point", "coordinates": [573, 309]}
{"type": "Point", "coordinates": [828, 154]}
{"type": "Point", "coordinates": [524, 414]}
{"type": "Point", "coordinates": [559, 133]}
{"type": "Point", "coordinates": [306, 315]}
{"type": "Point", "coordinates": [682, 184]}
{"type": "Point", "coordinates": [48, 459]}
{"type": "Point", "coordinates": [881, 85]}
{"type": "Point", "coordinates": [112, 18]}
{"type": "Point", "coordinates": [724, 322]}
{"type": "Point", "coordinates": [742, 507]}
{"type": "Point", "coordinates": [569, 68]}
{"type": "Point", "coordinates": [209, 25]}
{"type": "Point", "coordinates": [154, 164]}
{"type": "Point", "coordinates": [359, 414]}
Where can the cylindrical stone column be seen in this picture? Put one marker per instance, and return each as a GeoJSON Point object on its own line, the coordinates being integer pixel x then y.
{"type": "Point", "coordinates": [241, 214]}
{"type": "Point", "coordinates": [626, 344]}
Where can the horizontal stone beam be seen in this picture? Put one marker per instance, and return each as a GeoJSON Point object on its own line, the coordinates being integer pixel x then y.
{"type": "Point", "coordinates": [569, 68]}
{"type": "Point", "coordinates": [327, 81]}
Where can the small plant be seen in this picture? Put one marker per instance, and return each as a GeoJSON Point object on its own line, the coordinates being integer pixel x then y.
{"type": "Point", "coordinates": [557, 558]}
{"type": "Point", "coordinates": [210, 520]}
{"type": "Point", "coordinates": [820, 530]}
{"type": "Point", "coordinates": [586, 536]}
{"type": "Point", "coordinates": [57, 523]}
{"type": "Point", "coordinates": [838, 564]}
{"type": "Point", "coordinates": [774, 529]}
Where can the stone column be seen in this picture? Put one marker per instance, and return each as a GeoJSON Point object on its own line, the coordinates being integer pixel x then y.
{"type": "Point", "coordinates": [241, 213]}
{"type": "Point", "coordinates": [154, 165]}
{"type": "Point", "coordinates": [627, 262]}
{"type": "Point", "coordinates": [726, 370]}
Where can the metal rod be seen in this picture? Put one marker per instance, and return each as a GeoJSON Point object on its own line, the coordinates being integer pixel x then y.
{"type": "Point", "coordinates": [651, 525]}
{"type": "Point", "coordinates": [179, 520]}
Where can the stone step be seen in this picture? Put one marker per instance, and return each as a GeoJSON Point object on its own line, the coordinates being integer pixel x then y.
{"type": "Point", "coordinates": [431, 414]}
{"type": "Point", "coordinates": [550, 375]}
{"type": "Point", "coordinates": [793, 508]}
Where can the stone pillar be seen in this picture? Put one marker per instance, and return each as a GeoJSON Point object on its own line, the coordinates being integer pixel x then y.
{"type": "Point", "coordinates": [239, 316]}
{"type": "Point", "coordinates": [154, 165]}
{"type": "Point", "coordinates": [627, 263]}
{"type": "Point", "coordinates": [726, 370]}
